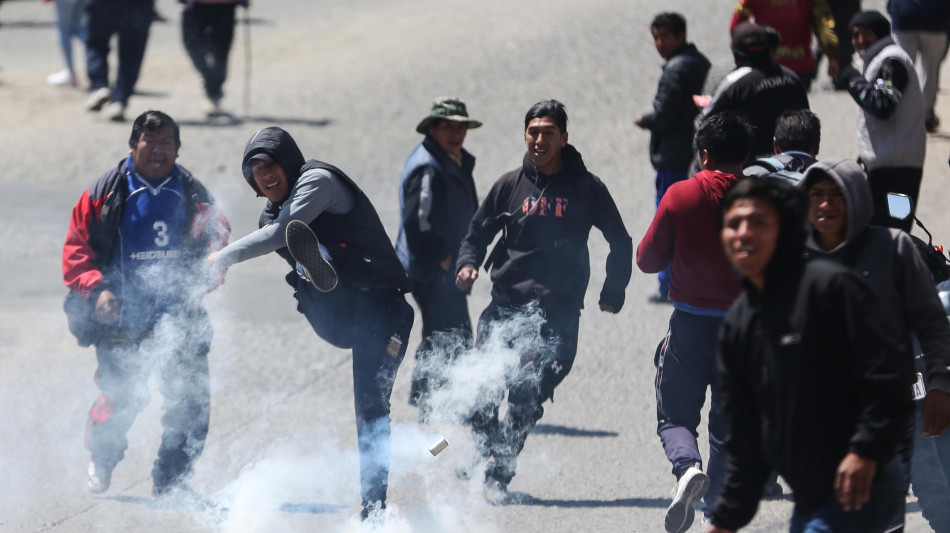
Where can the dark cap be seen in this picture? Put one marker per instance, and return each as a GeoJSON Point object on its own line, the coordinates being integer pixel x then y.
{"type": "Point", "coordinates": [753, 40]}
{"type": "Point", "coordinates": [873, 20]}
{"type": "Point", "coordinates": [263, 156]}
{"type": "Point", "coordinates": [447, 108]}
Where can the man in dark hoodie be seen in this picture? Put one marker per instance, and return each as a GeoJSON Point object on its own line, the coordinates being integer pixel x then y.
{"type": "Point", "coordinates": [758, 87]}
{"type": "Point", "coordinates": [545, 209]}
{"type": "Point", "coordinates": [840, 210]}
{"type": "Point", "coordinates": [671, 122]}
{"type": "Point", "coordinates": [349, 283]}
{"type": "Point", "coordinates": [437, 199]}
{"type": "Point", "coordinates": [813, 384]}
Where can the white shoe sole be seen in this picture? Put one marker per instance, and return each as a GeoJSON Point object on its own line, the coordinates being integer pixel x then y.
{"type": "Point", "coordinates": [680, 515]}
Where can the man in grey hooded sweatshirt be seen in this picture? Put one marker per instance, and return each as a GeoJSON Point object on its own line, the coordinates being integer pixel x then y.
{"type": "Point", "coordinates": [349, 283]}
{"type": "Point", "coordinates": [840, 211]}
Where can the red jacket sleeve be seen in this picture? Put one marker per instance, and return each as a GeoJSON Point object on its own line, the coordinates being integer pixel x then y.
{"type": "Point", "coordinates": [655, 250]}
{"type": "Point", "coordinates": [80, 272]}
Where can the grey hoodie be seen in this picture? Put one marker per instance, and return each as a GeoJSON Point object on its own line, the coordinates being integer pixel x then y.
{"type": "Point", "coordinates": [890, 264]}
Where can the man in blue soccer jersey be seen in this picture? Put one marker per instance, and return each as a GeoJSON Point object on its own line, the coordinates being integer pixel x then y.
{"type": "Point", "coordinates": [134, 264]}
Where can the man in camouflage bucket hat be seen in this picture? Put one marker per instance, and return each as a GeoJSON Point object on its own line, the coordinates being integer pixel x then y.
{"type": "Point", "coordinates": [437, 199]}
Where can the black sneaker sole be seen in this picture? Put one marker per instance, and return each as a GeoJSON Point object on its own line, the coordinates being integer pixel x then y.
{"type": "Point", "coordinates": [304, 247]}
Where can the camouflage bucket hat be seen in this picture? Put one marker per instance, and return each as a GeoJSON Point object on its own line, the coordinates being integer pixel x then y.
{"type": "Point", "coordinates": [447, 108]}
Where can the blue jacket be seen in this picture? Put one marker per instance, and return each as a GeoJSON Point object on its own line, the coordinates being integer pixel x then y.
{"type": "Point", "coordinates": [437, 200]}
{"type": "Point", "coordinates": [671, 121]}
{"type": "Point", "coordinates": [919, 15]}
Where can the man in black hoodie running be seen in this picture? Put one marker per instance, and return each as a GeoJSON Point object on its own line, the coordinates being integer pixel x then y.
{"type": "Point", "coordinates": [813, 385]}
{"type": "Point", "coordinates": [545, 209]}
{"type": "Point", "coordinates": [349, 283]}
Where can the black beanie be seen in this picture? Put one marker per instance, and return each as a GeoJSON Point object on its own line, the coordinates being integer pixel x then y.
{"type": "Point", "coordinates": [872, 20]}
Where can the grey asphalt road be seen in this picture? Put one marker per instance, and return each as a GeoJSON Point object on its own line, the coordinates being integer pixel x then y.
{"type": "Point", "coordinates": [350, 81]}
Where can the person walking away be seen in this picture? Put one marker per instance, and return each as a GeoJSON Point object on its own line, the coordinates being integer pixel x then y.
{"type": "Point", "coordinates": [130, 21]}
{"type": "Point", "coordinates": [69, 25]}
{"type": "Point", "coordinates": [207, 31]}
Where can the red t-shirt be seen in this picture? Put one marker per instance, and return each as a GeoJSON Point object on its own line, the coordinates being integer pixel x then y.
{"type": "Point", "coordinates": [685, 235]}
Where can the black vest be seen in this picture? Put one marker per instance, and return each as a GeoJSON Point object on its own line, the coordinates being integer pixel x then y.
{"type": "Point", "coordinates": [362, 253]}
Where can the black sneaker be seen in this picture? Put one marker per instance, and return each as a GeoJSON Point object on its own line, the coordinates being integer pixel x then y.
{"type": "Point", "coordinates": [495, 492]}
{"type": "Point", "coordinates": [659, 298]}
{"type": "Point", "coordinates": [100, 477]}
{"type": "Point", "coordinates": [305, 249]}
{"type": "Point", "coordinates": [373, 511]}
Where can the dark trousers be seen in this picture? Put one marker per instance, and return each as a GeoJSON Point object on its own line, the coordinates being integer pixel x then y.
{"type": "Point", "coordinates": [375, 324]}
{"type": "Point", "coordinates": [842, 11]}
{"type": "Point", "coordinates": [445, 319]}
{"type": "Point", "coordinates": [883, 512]}
{"type": "Point", "coordinates": [207, 31]}
{"type": "Point", "coordinates": [126, 360]}
{"type": "Point", "coordinates": [685, 367]}
{"type": "Point", "coordinates": [130, 20]}
{"type": "Point", "coordinates": [541, 371]}
{"type": "Point", "coordinates": [903, 180]}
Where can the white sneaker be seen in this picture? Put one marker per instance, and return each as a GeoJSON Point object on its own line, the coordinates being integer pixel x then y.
{"type": "Point", "coordinates": [690, 488]}
{"type": "Point", "coordinates": [63, 77]}
{"type": "Point", "coordinates": [97, 99]}
{"type": "Point", "coordinates": [212, 107]}
{"type": "Point", "coordinates": [116, 111]}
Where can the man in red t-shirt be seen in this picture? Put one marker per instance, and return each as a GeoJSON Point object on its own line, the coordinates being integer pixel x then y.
{"type": "Point", "coordinates": [684, 236]}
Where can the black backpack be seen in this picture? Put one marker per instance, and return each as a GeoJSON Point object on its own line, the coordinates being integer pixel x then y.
{"type": "Point", "coordinates": [790, 167]}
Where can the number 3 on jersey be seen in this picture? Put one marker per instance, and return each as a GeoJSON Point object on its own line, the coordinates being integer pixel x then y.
{"type": "Point", "coordinates": [161, 233]}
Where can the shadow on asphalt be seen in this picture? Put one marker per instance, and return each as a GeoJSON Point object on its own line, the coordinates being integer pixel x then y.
{"type": "Point", "coordinates": [184, 502]}
{"type": "Point", "coordinates": [26, 24]}
{"type": "Point", "coordinates": [228, 120]}
{"type": "Point", "coordinates": [311, 508]}
{"type": "Point", "coordinates": [520, 498]}
{"type": "Point", "coordinates": [195, 503]}
{"type": "Point", "coordinates": [551, 429]}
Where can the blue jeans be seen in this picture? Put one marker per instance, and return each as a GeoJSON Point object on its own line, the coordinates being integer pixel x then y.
{"type": "Point", "coordinates": [375, 324]}
{"type": "Point", "coordinates": [930, 475]}
{"type": "Point", "coordinates": [69, 23]}
{"type": "Point", "coordinates": [663, 180]}
{"type": "Point", "coordinates": [130, 20]}
{"type": "Point", "coordinates": [685, 366]}
{"type": "Point", "coordinates": [883, 512]}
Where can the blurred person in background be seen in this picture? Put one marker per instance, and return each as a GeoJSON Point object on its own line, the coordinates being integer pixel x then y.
{"type": "Point", "coordinates": [671, 122]}
{"type": "Point", "coordinates": [69, 25]}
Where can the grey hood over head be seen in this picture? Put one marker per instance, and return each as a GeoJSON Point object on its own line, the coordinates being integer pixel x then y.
{"type": "Point", "coordinates": [848, 175]}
